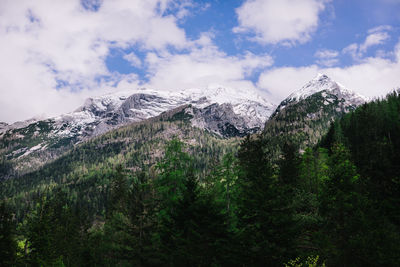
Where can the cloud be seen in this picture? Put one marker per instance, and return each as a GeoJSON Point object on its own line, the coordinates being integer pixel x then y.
{"type": "Point", "coordinates": [327, 57]}
{"type": "Point", "coordinates": [56, 50]}
{"type": "Point", "coordinates": [373, 39]}
{"type": "Point", "coordinates": [353, 50]}
{"type": "Point", "coordinates": [380, 28]}
{"type": "Point", "coordinates": [202, 66]}
{"type": "Point", "coordinates": [281, 82]}
{"type": "Point", "coordinates": [279, 21]}
{"type": "Point", "coordinates": [133, 59]}
{"type": "Point", "coordinates": [373, 77]}
{"type": "Point", "coordinates": [376, 36]}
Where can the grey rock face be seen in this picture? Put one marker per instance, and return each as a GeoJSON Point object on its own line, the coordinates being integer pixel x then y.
{"type": "Point", "coordinates": [221, 120]}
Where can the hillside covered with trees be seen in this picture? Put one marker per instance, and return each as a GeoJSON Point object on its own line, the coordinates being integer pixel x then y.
{"type": "Point", "coordinates": [336, 204]}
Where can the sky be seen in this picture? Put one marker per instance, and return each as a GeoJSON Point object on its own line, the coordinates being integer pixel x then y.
{"type": "Point", "coordinates": [56, 53]}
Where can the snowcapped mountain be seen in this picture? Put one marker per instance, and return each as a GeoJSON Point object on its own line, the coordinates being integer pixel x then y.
{"type": "Point", "coordinates": [103, 113]}
{"type": "Point", "coordinates": [226, 112]}
{"type": "Point", "coordinates": [329, 89]}
{"type": "Point", "coordinates": [305, 115]}
{"type": "Point", "coordinates": [323, 83]}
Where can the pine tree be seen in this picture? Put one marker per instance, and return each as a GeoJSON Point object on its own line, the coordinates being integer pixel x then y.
{"type": "Point", "coordinates": [54, 233]}
{"type": "Point", "coordinates": [265, 217]}
{"type": "Point", "coordinates": [289, 166]}
{"type": "Point", "coordinates": [196, 234]}
{"type": "Point", "coordinates": [8, 245]}
{"type": "Point", "coordinates": [341, 207]}
{"type": "Point", "coordinates": [118, 191]}
{"type": "Point", "coordinates": [172, 169]}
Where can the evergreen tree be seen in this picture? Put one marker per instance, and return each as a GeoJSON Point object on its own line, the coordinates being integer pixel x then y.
{"type": "Point", "coordinates": [341, 208]}
{"type": "Point", "coordinates": [170, 187]}
{"type": "Point", "coordinates": [265, 218]}
{"type": "Point", "coordinates": [53, 233]}
{"type": "Point", "coordinates": [118, 191]}
{"type": "Point", "coordinates": [117, 238]}
{"type": "Point", "coordinates": [289, 166]}
{"type": "Point", "coordinates": [8, 245]}
{"type": "Point", "coordinates": [196, 234]}
{"type": "Point", "coordinates": [173, 169]}
{"type": "Point", "coordinates": [142, 221]}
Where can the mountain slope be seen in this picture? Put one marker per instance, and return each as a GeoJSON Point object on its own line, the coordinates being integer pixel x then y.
{"type": "Point", "coordinates": [304, 117]}
{"type": "Point", "coordinates": [223, 111]}
{"type": "Point", "coordinates": [88, 166]}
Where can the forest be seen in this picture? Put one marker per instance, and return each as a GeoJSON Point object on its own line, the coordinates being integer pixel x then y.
{"type": "Point", "coordinates": [332, 204]}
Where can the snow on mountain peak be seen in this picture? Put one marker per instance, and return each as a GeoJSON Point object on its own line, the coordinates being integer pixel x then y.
{"type": "Point", "coordinates": [105, 112]}
{"type": "Point", "coordinates": [322, 82]}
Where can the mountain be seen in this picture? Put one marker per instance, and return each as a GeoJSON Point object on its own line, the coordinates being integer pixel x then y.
{"type": "Point", "coordinates": [89, 166]}
{"type": "Point", "coordinates": [305, 115]}
{"type": "Point", "coordinates": [225, 112]}
{"type": "Point", "coordinates": [330, 90]}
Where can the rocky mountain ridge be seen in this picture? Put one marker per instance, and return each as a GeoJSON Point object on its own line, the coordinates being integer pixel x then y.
{"type": "Point", "coordinates": [225, 112]}
{"type": "Point", "coordinates": [303, 118]}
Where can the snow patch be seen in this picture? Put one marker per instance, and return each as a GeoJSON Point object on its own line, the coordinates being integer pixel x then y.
{"type": "Point", "coordinates": [37, 147]}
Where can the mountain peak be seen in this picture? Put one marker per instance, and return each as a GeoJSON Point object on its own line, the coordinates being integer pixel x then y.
{"type": "Point", "coordinates": [328, 90]}
{"type": "Point", "coordinates": [322, 82]}
{"type": "Point", "coordinates": [321, 76]}
{"type": "Point", "coordinates": [319, 83]}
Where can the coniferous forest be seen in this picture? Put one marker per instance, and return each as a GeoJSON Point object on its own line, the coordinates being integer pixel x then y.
{"type": "Point", "coordinates": [333, 204]}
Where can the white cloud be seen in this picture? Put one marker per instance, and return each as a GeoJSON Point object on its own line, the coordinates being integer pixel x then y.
{"type": "Point", "coordinates": [45, 42]}
{"type": "Point", "coordinates": [353, 50]}
{"type": "Point", "coordinates": [280, 21]}
{"type": "Point", "coordinates": [372, 77]}
{"type": "Point", "coordinates": [326, 53]}
{"type": "Point", "coordinates": [133, 59]}
{"type": "Point", "coordinates": [328, 62]}
{"type": "Point", "coordinates": [376, 36]}
{"type": "Point", "coordinates": [203, 66]}
{"type": "Point", "coordinates": [380, 28]}
{"type": "Point", "coordinates": [281, 82]}
{"type": "Point", "coordinates": [326, 57]}
{"type": "Point", "coordinates": [373, 39]}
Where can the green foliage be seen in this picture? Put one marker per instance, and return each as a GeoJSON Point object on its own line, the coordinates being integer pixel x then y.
{"type": "Point", "coordinates": [372, 135]}
{"type": "Point", "coordinates": [266, 222]}
{"type": "Point", "coordinates": [196, 232]}
{"type": "Point", "coordinates": [54, 232]}
{"type": "Point", "coordinates": [310, 261]}
{"type": "Point", "coordinates": [122, 200]}
{"type": "Point", "coordinates": [302, 123]}
{"type": "Point", "coordinates": [8, 245]}
{"type": "Point", "coordinates": [87, 169]}
{"type": "Point", "coordinates": [173, 170]}
{"type": "Point", "coordinates": [341, 206]}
